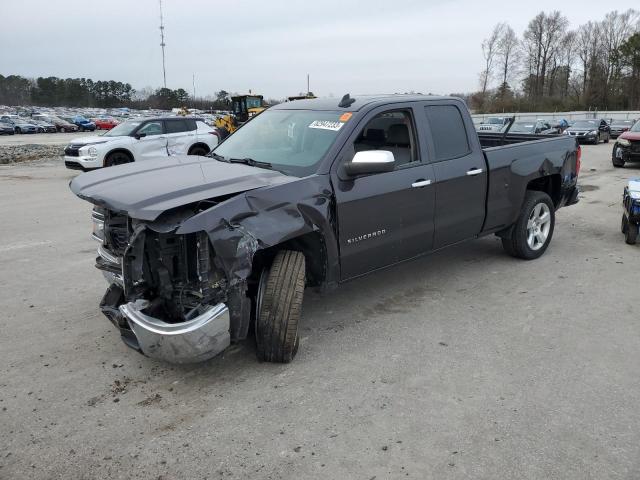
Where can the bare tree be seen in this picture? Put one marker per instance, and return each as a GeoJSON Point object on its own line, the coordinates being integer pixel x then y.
{"type": "Point", "coordinates": [615, 29]}
{"type": "Point", "coordinates": [588, 45]}
{"type": "Point", "coordinates": [542, 39]}
{"type": "Point", "coordinates": [507, 49]}
{"type": "Point", "coordinates": [490, 51]}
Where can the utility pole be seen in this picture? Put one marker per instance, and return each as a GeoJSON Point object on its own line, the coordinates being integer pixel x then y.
{"type": "Point", "coordinates": [194, 90]}
{"type": "Point", "coordinates": [308, 84]}
{"type": "Point", "coordinates": [162, 44]}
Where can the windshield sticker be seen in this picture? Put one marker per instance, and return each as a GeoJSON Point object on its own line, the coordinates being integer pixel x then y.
{"type": "Point", "coordinates": [345, 116]}
{"type": "Point", "coordinates": [326, 125]}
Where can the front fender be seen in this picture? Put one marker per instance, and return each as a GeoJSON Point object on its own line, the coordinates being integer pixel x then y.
{"type": "Point", "coordinates": [265, 217]}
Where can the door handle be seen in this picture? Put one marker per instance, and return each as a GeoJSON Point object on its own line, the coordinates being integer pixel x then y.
{"type": "Point", "coordinates": [420, 183]}
{"type": "Point", "coordinates": [475, 171]}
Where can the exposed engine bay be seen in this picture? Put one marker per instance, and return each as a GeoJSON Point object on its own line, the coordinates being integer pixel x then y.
{"type": "Point", "coordinates": [157, 281]}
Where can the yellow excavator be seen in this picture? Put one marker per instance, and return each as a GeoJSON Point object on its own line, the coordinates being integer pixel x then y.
{"type": "Point", "coordinates": [243, 107]}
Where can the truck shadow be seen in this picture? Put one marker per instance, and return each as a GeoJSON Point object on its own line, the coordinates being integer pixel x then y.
{"type": "Point", "coordinates": [396, 290]}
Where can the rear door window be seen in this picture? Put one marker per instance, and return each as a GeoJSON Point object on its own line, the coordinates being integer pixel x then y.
{"type": "Point", "coordinates": [448, 132]}
{"type": "Point", "coordinates": [176, 126]}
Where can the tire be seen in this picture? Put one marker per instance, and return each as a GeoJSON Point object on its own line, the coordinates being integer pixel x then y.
{"type": "Point", "coordinates": [531, 234]}
{"type": "Point", "coordinates": [279, 307]}
{"type": "Point", "coordinates": [18, 130]}
{"type": "Point", "coordinates": [597, 140]}
{"type": "Point", "coordinates": [618, 163]}
{"type": "Point", "coordinates": [198, 150]}
{"type": "Point", "coordinates": [606, 140]}
{"type": "Point", "coordinates": [63, 130]}
{"type": "Point", "coordinates": [98, 127]}
{"type": "Point", "coordinates": [117, 158]}
{"type": "Point", "coordinates": [631, 235]}
{"type": "Point", "coordinates": [623, 226]}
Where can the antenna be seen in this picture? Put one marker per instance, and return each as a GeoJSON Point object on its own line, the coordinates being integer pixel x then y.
{"type": "Point", "coordinates": [162, 44]}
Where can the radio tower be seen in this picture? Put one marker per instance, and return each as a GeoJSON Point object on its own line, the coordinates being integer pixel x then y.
{"type": "Point", "coordinates": [162, 44]}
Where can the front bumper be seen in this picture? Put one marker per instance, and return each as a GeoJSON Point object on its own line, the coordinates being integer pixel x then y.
{"type": "Point", "coordinates": [84, 162]}
{"type": "Point", "coordinates": [193, 341]}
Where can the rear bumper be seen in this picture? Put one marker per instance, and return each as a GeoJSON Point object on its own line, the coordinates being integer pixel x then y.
{"type": "Point", "coordinates": [572, 196]}
{"type": "Point", "coordinates": [196, 340]}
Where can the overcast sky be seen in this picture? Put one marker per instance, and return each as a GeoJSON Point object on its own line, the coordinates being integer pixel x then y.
{"type": "Point", "coordinates": [429, 46]}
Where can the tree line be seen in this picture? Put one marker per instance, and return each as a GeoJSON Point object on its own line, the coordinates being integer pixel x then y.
{"type": "Point", "coordinates": [552, 67]}
{"type": "Point", "coordinates": [16, 90]}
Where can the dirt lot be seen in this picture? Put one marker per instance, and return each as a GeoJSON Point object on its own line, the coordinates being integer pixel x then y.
{"type": "Point", "coordinates": [44, 138]}
{"type": "Point", "coordinates": [467, 364]}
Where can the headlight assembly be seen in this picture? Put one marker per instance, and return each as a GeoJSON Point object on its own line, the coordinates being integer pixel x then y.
{"type": "Point", "coordinates": [623, 142]}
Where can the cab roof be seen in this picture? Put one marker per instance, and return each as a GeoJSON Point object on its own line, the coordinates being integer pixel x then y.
{"type": "Point", "coordinates": [360, 101]}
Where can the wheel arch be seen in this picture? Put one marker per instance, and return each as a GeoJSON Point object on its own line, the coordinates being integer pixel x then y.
{"type": "Point", "coordinates": [314, 248]}
{"type": "Point", "coordinates": [549, 184]}
{"type": "Point", "coordinates": [198, 144]}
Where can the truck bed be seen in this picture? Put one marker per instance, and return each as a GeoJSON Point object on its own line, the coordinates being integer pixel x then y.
{"type": "Point", "coordinates": [514, 160]}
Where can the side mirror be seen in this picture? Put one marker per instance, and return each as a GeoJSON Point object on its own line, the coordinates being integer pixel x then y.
{"type": "Point", "coordinates": [370, 161]}
{"type": "Point", "coordinates": [140, 135]}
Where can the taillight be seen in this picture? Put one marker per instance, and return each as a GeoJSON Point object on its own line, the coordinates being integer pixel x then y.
{"type": "Point", "coordinates": [578, 157]}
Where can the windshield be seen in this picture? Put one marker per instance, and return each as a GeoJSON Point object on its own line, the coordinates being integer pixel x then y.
{"type": "Point", "coordinates": [125, 128]}
{"type": "Point", "coordinates": [622, 123]}
{"type": "Point", "coordinates": [585, 124]}
{"type": "Point", "coordinates": [292, 141]}
{"type": "Point", "coordinates": [636, 127]}
{"type": "Point", "coordinates": [81, 119]}
{"type": "Point", "coordinates": [495, 121]}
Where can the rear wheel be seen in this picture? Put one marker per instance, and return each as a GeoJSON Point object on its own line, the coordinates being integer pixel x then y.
{"type": "Point", "coordinates": [631, 233]}
{"type": "Point", "coordinates": [279, 307]}
{"type": "Point", "coordinates": [606, 140]}
{"type": "Point", "coordinates": [623, 226]}
{"type": "Point", "coordinates": [117, 158]}
{"type": "Point", "coordinates": [532, 232]}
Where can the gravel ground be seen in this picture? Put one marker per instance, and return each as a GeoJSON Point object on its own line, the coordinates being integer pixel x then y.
{"type": "Point", "coordinates": [21, 148]}
{"type": "Point", "coordinates": [466, 364]}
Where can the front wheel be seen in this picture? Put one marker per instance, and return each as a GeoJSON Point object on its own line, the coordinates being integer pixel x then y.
{"type": "Point", "coordinates": [279, 307]}
{"type": "Point", "coordinates": [117, 158]}
{"type": "Point", "coordinates": [198, 150]}
{"type": "Point", "coordinates": [532, 232]}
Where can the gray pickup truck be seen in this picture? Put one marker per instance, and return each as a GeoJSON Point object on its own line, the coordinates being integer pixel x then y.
{"type": "Point", "coordinates": [199, 252]}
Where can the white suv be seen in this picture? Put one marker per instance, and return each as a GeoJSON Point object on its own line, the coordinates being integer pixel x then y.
{"type": "Point", "coordinates": [141, 139]}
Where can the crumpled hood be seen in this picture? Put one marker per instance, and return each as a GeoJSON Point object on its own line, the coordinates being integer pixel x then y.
{"type": "Point", "coordinates": [145, 189]}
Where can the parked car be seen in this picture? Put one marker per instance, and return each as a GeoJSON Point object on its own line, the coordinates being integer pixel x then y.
{"type": "Point", "coordinates": [136, 140]}
{"type": "Point", "coordinates": [61, 124]}
{"type": "Point", "coordinates": [19, 125]}
{"type": "Point", "coordinates": [631, 211]}
{"type": "Point", "coordinates": [538, 127]}
{"type": "Point", "coordinates": [592, 131]}
{"type": "Point", "coordinates": [83, 124]}
{"type": "Point", "coordinates": [627, 147]}
{"type": "Point", "coordinates": [309, 193]}
{"type": "Point", "coordinates": [493, 124]}
{"type": "Point", "coordinates": [43, 127]}
{"type": "Point", "coordinates": [105, 123]}
{"type": "Point", "coordinates": [618, 127]}
{"type": "Point", "coordinates": [6, 128]}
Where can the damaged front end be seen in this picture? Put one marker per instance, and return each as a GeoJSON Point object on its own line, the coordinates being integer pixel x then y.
{"type": "Point", "coordinates": [166, 296]}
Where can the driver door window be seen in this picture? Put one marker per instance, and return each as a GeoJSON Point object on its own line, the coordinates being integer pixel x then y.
{"type": "Point", "coordinates": [392, 131]}
{"type": "Point", "coordinates": [151, 128]}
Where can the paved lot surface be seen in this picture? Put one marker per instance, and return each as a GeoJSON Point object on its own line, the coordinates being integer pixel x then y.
{"type": "Point", "coordinates": [44, 138]}
{"type": "Point", "coordinates": [467, 364]}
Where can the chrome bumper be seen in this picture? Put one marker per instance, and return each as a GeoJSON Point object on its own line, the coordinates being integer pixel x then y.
{"type": "Point", "coordinates": [188, 342]}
